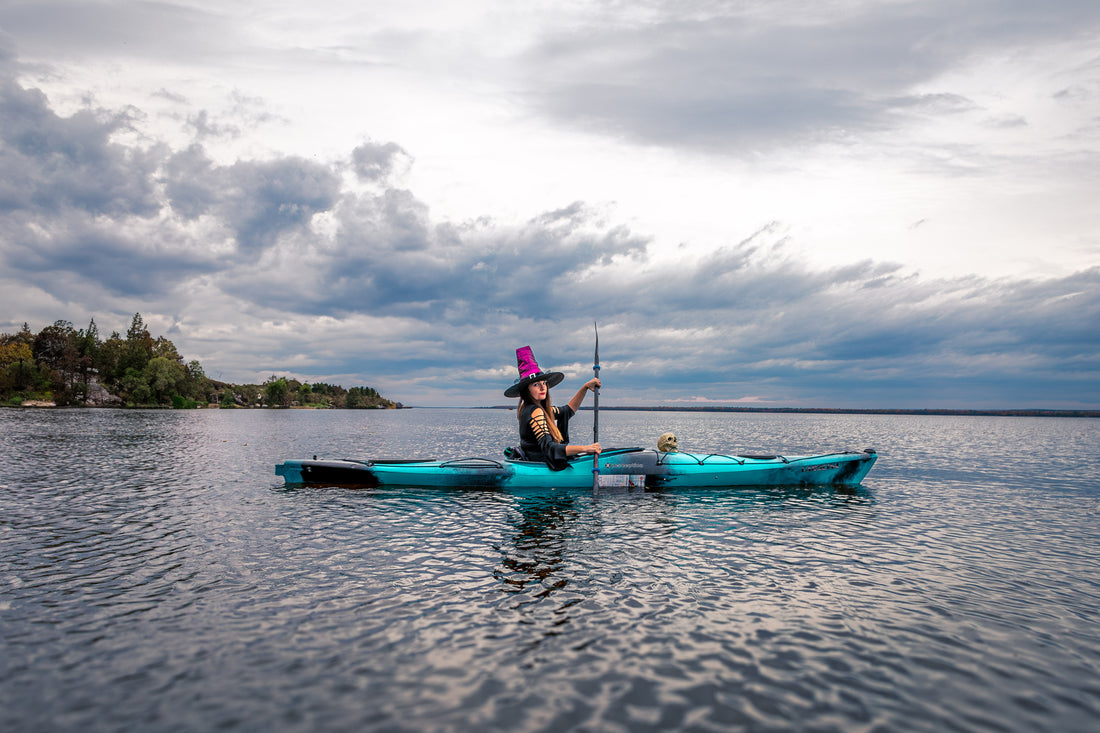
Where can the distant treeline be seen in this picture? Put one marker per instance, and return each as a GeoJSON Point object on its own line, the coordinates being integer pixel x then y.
{"type": "Point", "coordinates": [64, 365]}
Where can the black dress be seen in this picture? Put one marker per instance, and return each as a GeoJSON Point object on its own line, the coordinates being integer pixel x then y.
{"type": "Point", "coordinates": [535, 439]}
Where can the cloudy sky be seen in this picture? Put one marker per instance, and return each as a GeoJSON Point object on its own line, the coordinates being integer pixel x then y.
{"type": "Point", "coordinates": [836, 203]}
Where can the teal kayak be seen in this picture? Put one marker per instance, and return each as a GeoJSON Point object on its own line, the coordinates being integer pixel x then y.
{"type": "Point", "coordinates": [625, 467]}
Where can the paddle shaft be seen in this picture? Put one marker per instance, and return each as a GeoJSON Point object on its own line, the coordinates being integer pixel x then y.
{"type": "Point", "coordinates": [596, 415]}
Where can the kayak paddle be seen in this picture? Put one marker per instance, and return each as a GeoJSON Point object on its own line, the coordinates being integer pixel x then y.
{"type": "Point", "coordinates": [596, 415]}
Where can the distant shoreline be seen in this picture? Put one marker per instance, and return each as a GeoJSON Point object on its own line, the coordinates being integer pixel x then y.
{"type": "Point", "coordinates": [847, 411]}
{"type": "Point", "coordinates": [36, 404]}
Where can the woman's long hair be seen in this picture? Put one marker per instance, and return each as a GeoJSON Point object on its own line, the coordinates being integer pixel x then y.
{"type": "Point", "coordinates": [526, 399]}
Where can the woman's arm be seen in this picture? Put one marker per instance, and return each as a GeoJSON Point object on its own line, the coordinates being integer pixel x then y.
{"type": "Point", "coordinates": [576, 450]}
{"type": "Point", "coordinates": [552, 448]}
{"type": "Point", "coordinates": [578, 398]}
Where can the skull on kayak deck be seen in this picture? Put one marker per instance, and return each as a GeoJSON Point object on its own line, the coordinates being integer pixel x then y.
{"type": "Point", "coordinates": [667, 443]}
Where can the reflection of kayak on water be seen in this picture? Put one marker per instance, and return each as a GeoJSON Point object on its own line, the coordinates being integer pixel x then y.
{"type": "Point", "coordinates": [627, 467]}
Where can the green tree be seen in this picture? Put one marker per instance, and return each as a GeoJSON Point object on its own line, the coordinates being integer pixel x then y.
{"type": "Point", "coordinates": [163, 377]}
{"type": "Point", "coordinates": [15, 360]}
{"type": "Point", "coordinates": [55, 351]}
{"type": "Point", "coordinates": [90, 335]}
{"type": "Point", "coordinates": [249, 394]}
{"type": "Point", "coordinates": [138, 347]}
{"type": "Point", "coordinates": [87, 347]}
{"type": "Point", "coordinates": [25, 335]}
{"type": "Point", "coordinates": [107, 359]}
{"type": "Point", "coordinates": [364, 397]}
{"type": "Point", "coordinates": [195, 384]}
{"type": "Point", "coordinates": [54, 345]}
{"type": "Point", "coordinates": [167, 349]}
{"type": "Point", "coordinates": [276, 392]}
{"type": "Point", "coordinates": [135, 387]}
{"type": "Point", "coordinates": [60, 361]}
{"type": "Point", "coordinates": [19, 370]}
{"type": "Point", "coordinates": [14, 352]}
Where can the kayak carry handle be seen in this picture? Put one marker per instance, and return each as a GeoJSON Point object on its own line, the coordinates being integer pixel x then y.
{"type": "Point", "coordinates": [472, 463]}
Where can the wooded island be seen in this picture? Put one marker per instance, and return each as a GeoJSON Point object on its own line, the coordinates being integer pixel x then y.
{"type": "Point", "coordinates": [62, 365]}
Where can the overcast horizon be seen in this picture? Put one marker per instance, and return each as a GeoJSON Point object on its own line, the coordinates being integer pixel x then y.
{"type": "Point", "coordinates": [886, 205]}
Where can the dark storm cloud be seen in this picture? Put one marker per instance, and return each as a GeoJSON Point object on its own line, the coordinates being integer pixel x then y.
{"type": "Point", "coordinates": [388, 258]}
{"type": "Point", "coordinates": [66, 190]}
{"type": "Point", "coordinates": [725, 76]}
{"type": "Point", "coordinates": [920, 342]}
{"type": "Point", "coordinates": [51, 162]}
{"type": "Point", "coordinates": [99, 252]}
{"type": "Point", "coordinates": [73, 199]}
{"type": "Point", "coordinates": [259, 200]}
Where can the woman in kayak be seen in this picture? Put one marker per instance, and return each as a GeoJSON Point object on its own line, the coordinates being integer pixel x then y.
{"type": "Point", "coordinates": [543, 428]}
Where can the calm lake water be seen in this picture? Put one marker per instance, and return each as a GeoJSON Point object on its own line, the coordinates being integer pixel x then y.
{"type": "Point", "coordinates": [157, 576]}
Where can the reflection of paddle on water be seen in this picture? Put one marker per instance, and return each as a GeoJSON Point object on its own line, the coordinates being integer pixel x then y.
{"type": "Point", "coordinates": [539, 545]}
